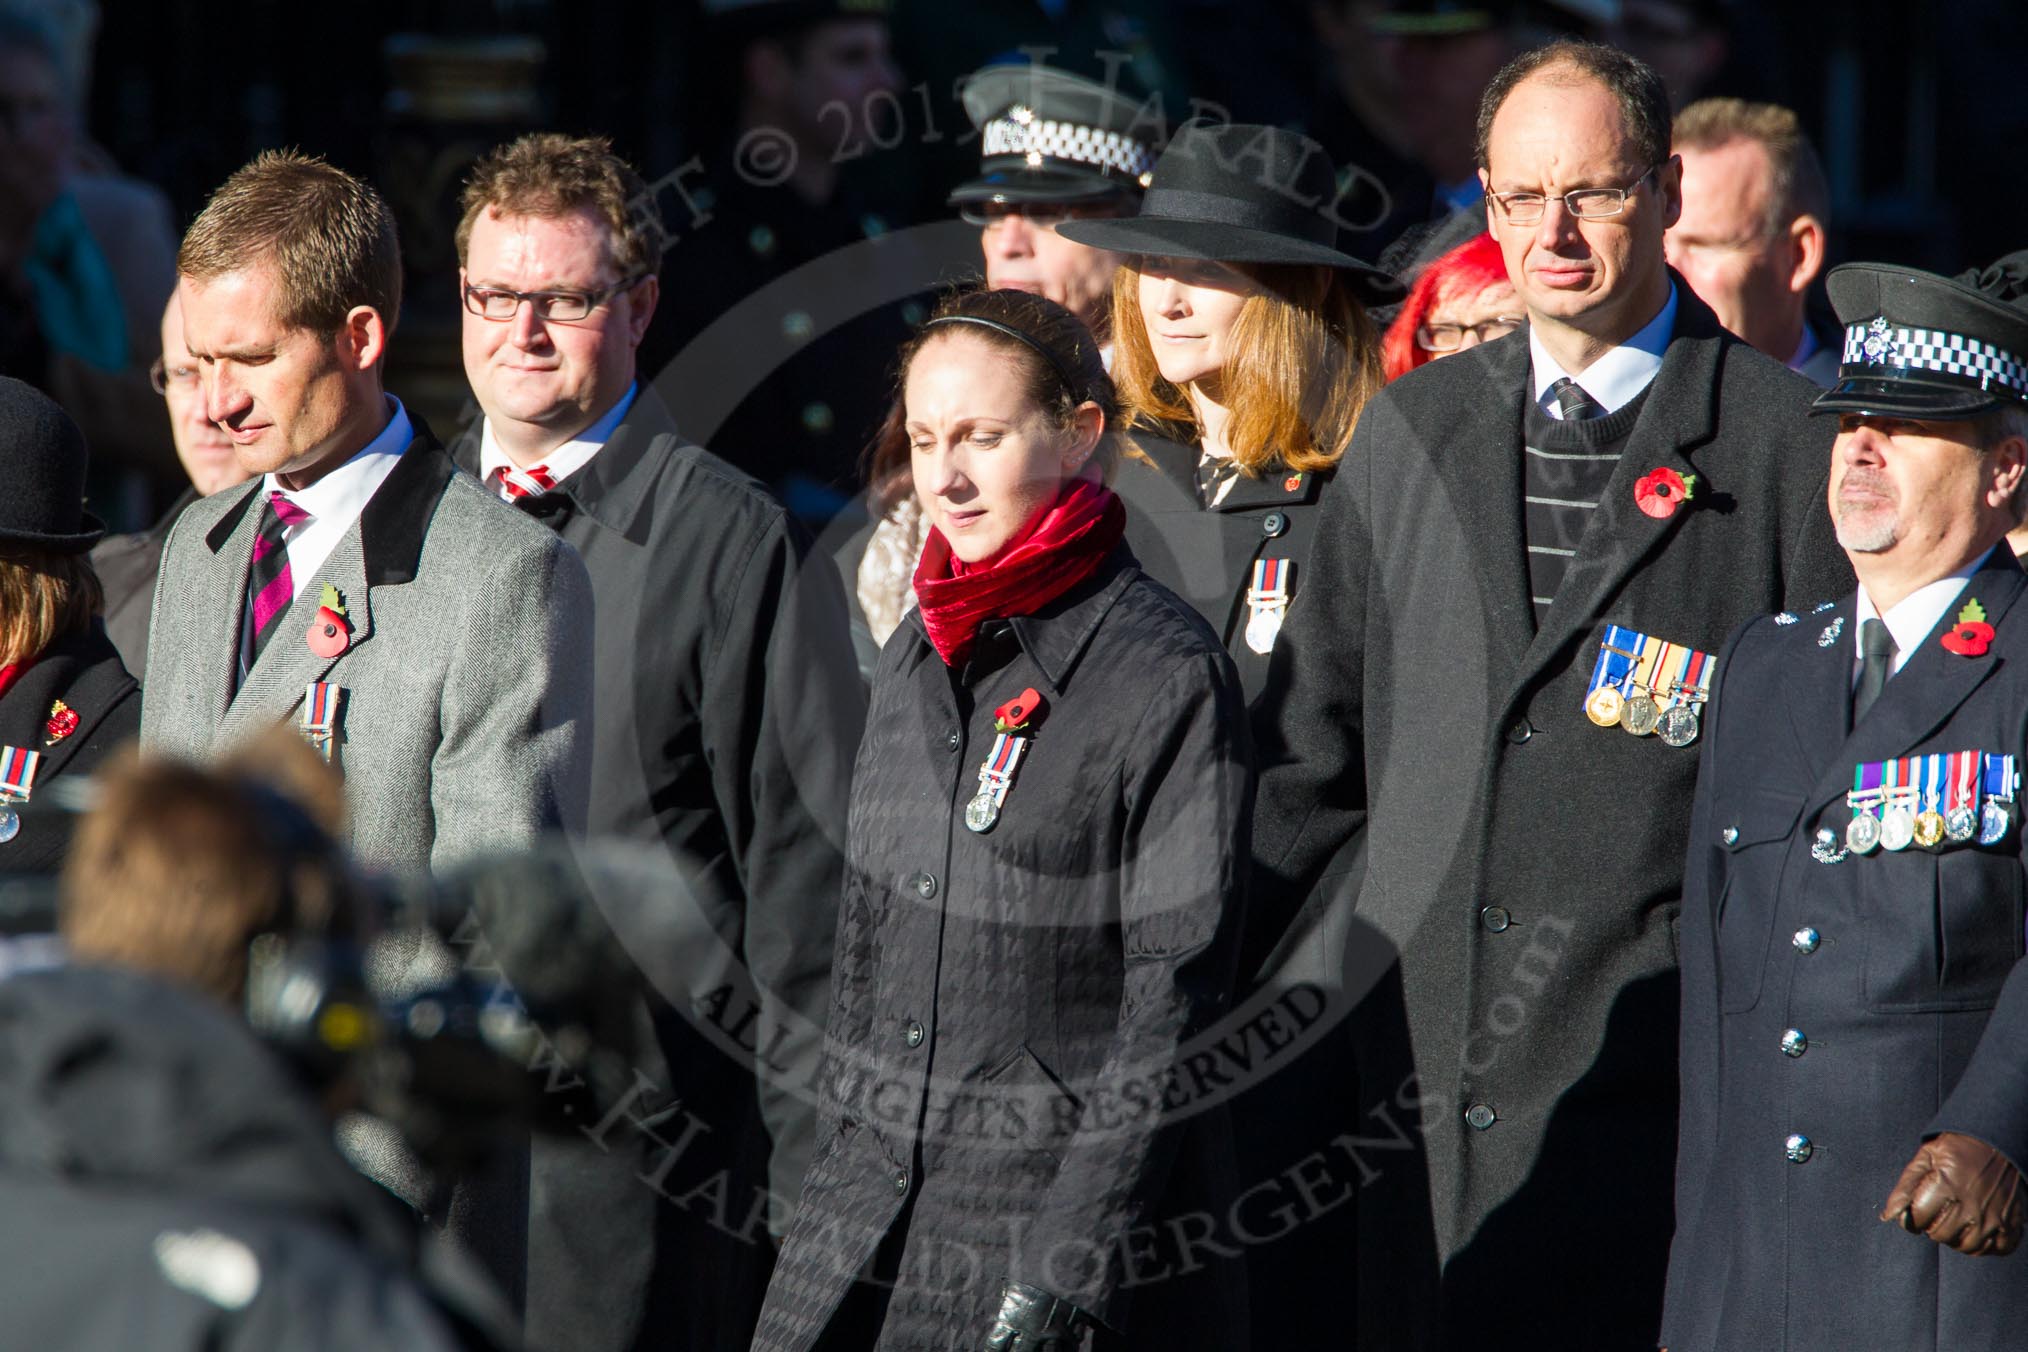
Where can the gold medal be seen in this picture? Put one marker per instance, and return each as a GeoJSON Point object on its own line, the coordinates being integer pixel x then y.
{"type": "Point", "coordinates": [1603, 708]}
{"type": "Point", "coordinates": [1929, 829]}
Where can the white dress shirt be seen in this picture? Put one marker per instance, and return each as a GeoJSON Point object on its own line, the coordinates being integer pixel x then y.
{"type": "Point", "coordinates": [1615, 378]}
{"type": "Point", "coordinates": [1911, 619]}
{"type": "Point", "coordinates": [335, 501]}
{"type": "Point", "coordinates": [562, 462]}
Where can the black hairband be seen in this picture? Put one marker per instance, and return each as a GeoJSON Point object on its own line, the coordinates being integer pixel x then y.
{"type": "Point", "coordinates": [1070, 386]}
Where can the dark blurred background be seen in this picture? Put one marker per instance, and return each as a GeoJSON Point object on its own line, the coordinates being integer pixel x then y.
{"type": "Point", "coordinates": [1915, 109]}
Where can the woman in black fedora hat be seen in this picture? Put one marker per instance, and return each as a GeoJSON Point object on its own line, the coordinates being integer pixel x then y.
{"type": "Point", "coordinates": [66, 701]}
{"type": "Point", "coordinates": [1244, 355]}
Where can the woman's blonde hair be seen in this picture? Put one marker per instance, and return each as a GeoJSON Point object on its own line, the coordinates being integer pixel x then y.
{"type": "Point", "coordinates": [43, 598]}
{"type": "Point", "coordinates": [1306, 360]}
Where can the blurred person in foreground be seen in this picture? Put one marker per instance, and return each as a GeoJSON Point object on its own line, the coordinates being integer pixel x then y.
{"type": "Point", "coordinates": [726, 717]}
{"type": "Point", "coordinates": [1042, 899]}
{"type": "Point", "coordinates": [1751, 239]}
{"type": "Point", "coordinates": [360, 586]}
{"type": "Point", "coordinates": [1620, 476]}
{"type": "Point", "coordinates": [1458, 301]}
{"type": "Point", "coordinates": [127, 564]}
{"type": "Point", "coordinates": [168, 1181]}
{"type": "Point", "coordinates": [66, 700]}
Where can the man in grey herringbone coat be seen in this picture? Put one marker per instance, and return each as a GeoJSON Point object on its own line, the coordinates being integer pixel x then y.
{"type": "Point", "coordinates": [451, 631]}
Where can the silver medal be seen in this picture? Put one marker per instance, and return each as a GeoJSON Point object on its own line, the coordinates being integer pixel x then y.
{"type": "Point", "coordinates": [1897, 829]}
{"type": "Point", "coordinates": [1960, 825]}
{"type": "Point", "coordinates": [1262, 627]}
{"type": "Point", "coordinates": [1679, 725]}
{"type": "Point", "coordinates": [10, 824]}
{"type": "Point", "coordinates": [982, 811]}
{"type": "Point", "coordinates": [1863, 835]}
{"type": "Point", "coordinates": [1993, 822]}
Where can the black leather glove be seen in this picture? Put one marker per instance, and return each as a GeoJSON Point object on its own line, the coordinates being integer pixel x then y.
{"type": "Point", "coordinates": [1962, 1193]}
{"type": "Point", "coordinates": [1032, 1320]}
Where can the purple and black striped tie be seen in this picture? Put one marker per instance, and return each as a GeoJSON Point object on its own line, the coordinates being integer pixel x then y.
{"type": "Point", "coordinates": [269, 587]}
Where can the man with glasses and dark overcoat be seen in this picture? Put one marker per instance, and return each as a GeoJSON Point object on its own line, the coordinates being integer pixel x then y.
{"type": "Point", "coordinates": [1497, 673]}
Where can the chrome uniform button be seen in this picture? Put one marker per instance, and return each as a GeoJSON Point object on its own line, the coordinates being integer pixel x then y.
{"type": "Point", "coordinates": [1794, 1043]}
{"type": "Point", "coordinates": [1730, 835]}
{"type": "Point", "coordinates": [1798, 1148]}
{"type": "Point", "coordinates": [1806, 940]}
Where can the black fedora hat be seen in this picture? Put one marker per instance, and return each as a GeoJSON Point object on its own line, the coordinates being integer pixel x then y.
{"type": "Point", "coordinates": [1922, 346]}
{"type": "Point", "coordinates": [1239, 193]}
{"type": "Point", "coordinates": [1048, 136]}
{"type": "Point", "coordinates": [44, 456]}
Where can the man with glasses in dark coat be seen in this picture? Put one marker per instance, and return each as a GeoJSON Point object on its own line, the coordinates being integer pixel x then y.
{"type": "Point", "coordinates": [1497, 674]}
{"type": "Point", "coordinates": [727, 711]}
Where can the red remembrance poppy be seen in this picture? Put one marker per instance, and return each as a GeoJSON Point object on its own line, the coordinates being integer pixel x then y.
{"type": "Point", "coordinates": [329, 633]}
{"type": "Point", "coordinates": [1015, 713]}
{"type": "Point", "coordinates": [1661, 491]}
{"type": "Point", "coordinates": [1969, 638]}
{"type": "Point", "coordinates": [62, 722]}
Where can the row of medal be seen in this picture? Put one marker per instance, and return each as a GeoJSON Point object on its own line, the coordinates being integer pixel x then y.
{"type": "Point", "coordinates": [1649, 686]}
{"type": "Point", "coordinates": [1930, 801]}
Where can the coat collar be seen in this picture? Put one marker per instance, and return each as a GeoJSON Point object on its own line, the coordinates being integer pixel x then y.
{"type": "Point", "coordinates": [1056, 636]}
{"type": "Point", "coordinates": [84, 672]}
{"type": "Point", "coordinates": [615, 486]}
{"type": "Point", "coordinates": [1919, 699]}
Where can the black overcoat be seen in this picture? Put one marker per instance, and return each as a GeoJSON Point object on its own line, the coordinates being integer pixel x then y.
{"type": "Point", "coordinates": [1513, 940]}
{"type": "Point", "coordinates": [1899, 972]}
{"type": "Point", "coordinates": [1002, 1096]}
{"type": "Point", "coordinates": [1206, 554]}
{"type": "Point", "coordinates": [85, 674]}
{"type": "Point", "coordinates": [726, 713]}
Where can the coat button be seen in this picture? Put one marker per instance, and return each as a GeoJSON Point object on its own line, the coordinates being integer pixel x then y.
{"type": "Point", "coordinates": [1520, 731]}
{"type": "Point", "coordinates": [1798, 1148]}
{"type": "Point", "coordinates": [1806, 940]}
{"type": "Point", "coordinates": [1496, 918]}
{"type": "Point", "coordinates": [901, 1182]}
{"type": "Point", "coordinates": [911, 1033]}
{"type": "Point", "coordinates": [1273, 524]}
{"type": "Point", "coordinates": [1730, 835]}
{"type": "Point", "coordinates": [926, 885]}
{"type": "Point", "coordinates": [953, 740]}
{"type": "Point", "coordinates": [1480, 1116]}
{"type": "Point", "coordinates": [1794, 1043]}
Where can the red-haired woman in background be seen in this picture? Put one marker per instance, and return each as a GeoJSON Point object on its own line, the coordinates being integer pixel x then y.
{"type": "Point", "coordinates": [1461, 300]}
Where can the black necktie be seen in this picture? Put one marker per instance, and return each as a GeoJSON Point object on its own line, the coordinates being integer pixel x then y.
{"type": "Point", "coordinates": [1571, 400]}
{"type": "Point", "coordinates": [1214, 474]}
{"type": "Point", "coordinates": [1876, 664]}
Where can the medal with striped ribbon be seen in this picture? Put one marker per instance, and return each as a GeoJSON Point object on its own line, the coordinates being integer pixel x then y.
{"type": "Point", "coordinates": [1998, 814]}
{"type": "Point", "coordinates": [320, 715]}
{"type": "Point", "coordinates": [1862, 836]}
{"type": "Point", "coordinates": [1267, 602]}
{"type": "Point", "coordinates": [17, 780]}
{"type": "Point", "coordinates": [996, 775]}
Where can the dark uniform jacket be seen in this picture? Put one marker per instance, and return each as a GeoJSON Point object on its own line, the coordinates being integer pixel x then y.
{"type": "Point", "coordinates": [84, 673]}
{"type": "Point", "coordinates": [1206, 554]}
{"type": "Point", "coordinates": [1514, 934]}
{"type": "Point", "coordinates": [1899, 974]}
{"type": "Point", "coordinates": [1002, 1095]}
{"type": "Point", "coordinates": [127, 566]}
{"type": "Point", "coordinates": [165, 1186]}
{"type": "Point", "coordinates": [727, 710]}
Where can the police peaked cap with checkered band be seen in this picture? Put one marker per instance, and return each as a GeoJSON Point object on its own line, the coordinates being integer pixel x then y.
{"type": "Point", "coordinates": [1922, 346]}
{"type": "Point", "coordinates": [1046, 135]}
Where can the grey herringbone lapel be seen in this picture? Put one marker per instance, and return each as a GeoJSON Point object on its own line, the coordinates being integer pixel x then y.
{"type": "Point", "coordinates": [287, 666]}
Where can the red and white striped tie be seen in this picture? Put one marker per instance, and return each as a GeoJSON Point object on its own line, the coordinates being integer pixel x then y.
{"type": "Point", "coordinates": [516, 484]}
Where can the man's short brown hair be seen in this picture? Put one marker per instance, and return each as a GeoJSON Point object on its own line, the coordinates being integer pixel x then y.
{"type": "Point", "coordinates": [329, 237]}
{"type": "Point", "coordinates": [547, 175]}
{"type": "Point", "coordinates": [1796, 185]}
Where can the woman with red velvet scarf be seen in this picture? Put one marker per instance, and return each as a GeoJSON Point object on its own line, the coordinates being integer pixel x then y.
{"type": "Point", "coordinates": [1048, 831]}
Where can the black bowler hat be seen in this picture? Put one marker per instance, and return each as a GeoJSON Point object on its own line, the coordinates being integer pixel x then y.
{"type": "Point", "coordinates": [1239, 193]}
{"type": "Point", "coordinates": [1046, 135]}
{"type": "Point", "coordinates": [42, 456]}
{"type": "Point", "coordinates": [1922, 346]}
{"type": "Point", "coordinates": [1448, 18]}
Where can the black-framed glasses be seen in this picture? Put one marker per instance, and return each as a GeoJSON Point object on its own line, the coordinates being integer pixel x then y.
{"type": "Point", "coordinates": [563, 307]}
{"type": "Point", "coordinates": [1587, 204]}
{"type": "Point", "coordinates": [1451, 337]}
{"type": "Point", "coordinates": [165, 377]}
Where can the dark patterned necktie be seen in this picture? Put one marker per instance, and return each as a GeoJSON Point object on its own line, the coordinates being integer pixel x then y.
{"type": "Point", "coordinates": [269, 586]}
{"type": "Point", "coordinates": [1572, 402]}
{"type": "Point", "coordinates": [1215, 476]}
{"type": "Point", "coordinates": [1876, 664]}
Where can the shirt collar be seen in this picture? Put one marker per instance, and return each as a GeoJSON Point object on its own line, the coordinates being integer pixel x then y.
{"type": "Point", "coordinates": [1911, 619]}
{"type": "Point", "coordinates": [1617, 377]}
{"type": "Point", "coordinates": [567, 459]}
{"type": "Point", "coordinates": [342, 494]}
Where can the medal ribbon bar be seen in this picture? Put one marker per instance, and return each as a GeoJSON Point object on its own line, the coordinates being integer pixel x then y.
{"type": "Point", "coordinates": [17, 772]}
